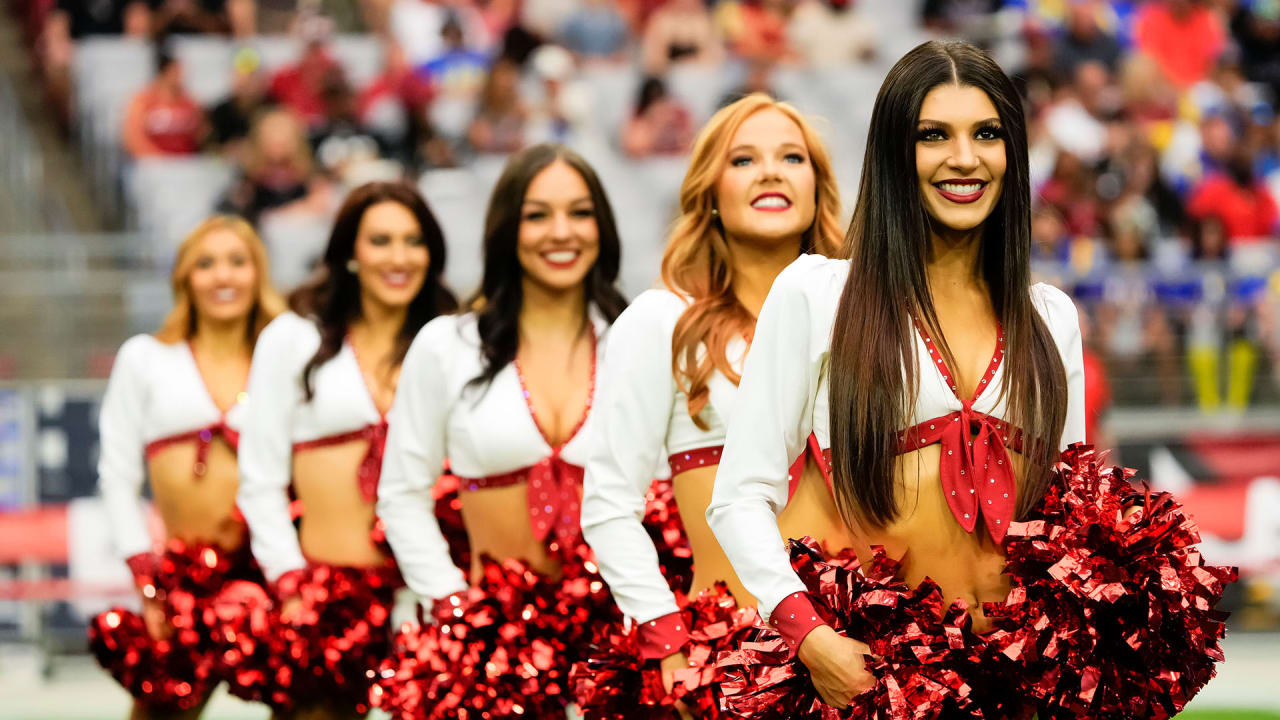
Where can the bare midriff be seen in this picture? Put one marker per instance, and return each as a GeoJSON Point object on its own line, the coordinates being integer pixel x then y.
{"type": "Point", "coordinates": [497, 522]}
{"type": "Point", "coordinates": [336, 518]}
{"type": "Point", "coordinates": [197, 509]}
{"type": "Point", "coordinates": [692, 490]}
{"type": "Point", "coordinates": [929, 543]}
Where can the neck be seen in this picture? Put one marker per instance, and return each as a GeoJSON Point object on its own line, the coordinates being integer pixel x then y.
{"type": "Point", "coordinates": [546, 310]}
{"type": "Point", "coordinates": [222, 338]}
{"type": "Point", "coordinates": [379, 322]}
{"type": "Point", "coordinates": [953, 260]}
{"type": "Point", "coordinates": [755, 265]}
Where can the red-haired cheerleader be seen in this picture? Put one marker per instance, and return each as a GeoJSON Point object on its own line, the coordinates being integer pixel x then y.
{"type": "Point", "coordinates": [172, 415]}
{"type": "Point", "coordinates": [987, 574]}
{"type": "Point", "coordinates": [506, 393]}
{"type": "Point", "coordinates": [759, 192]}
{"type": "Point", "coordinates": [322, 383]}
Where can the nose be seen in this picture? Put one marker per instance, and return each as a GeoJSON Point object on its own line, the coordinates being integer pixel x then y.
{"type": "Point", "coordinates": [399, 252]}
{"type": "Point", "coordinates": [963, 159]}
{"type": "Point", "coordinates": [770, 169]}
{"type": "Point", "coordinates": [560, 228]}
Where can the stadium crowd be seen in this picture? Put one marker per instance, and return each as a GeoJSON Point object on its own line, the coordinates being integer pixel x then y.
{"type": "Point", "coordinates": [1155, 143]}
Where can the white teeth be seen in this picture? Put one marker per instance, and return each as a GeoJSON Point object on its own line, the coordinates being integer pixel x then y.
{"type": "Point", "coordinates": [396, 278]}
{"type": "Point", "coordinates": [561, 256]}
{"type": "Point", "coordinates": [771, 201]}
{"type": "Point", "coordinates": [225, 294]}
{"type": "Point", "coordinates": [958, 189]}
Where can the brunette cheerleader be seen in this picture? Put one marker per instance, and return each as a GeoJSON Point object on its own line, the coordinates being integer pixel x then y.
{"type": "Point", "coordinates": [322, 382]}
{"type": "Point", "coordinates": [172, 413]}
{"type": "Point", "coordinates": [506, 393]}
{"type": "Point", "coordinates": [759, 192]}
{"type": "Point", "coordinates": [945, 385]}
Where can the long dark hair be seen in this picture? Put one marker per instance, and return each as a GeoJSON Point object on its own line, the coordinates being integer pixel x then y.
{"type": "Point", "coordinates": [501, 291]}
{"type": "Point", "coordinates": [889, 243]}
{"type": "Point", "coordinates": [332, 299]}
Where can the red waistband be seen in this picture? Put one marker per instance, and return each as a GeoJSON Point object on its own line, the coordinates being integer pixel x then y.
{"type": "Point", "coordinates": [554, 491]}
{"type": "Point", "coordinates": [203, 438]}
{"type": "Point", "coordinates": [710, 455]}
{"type": "Point", "coordinates": [370, 465]}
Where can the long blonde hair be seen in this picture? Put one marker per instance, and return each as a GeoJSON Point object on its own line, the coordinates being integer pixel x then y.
{"type": "Point", "coordinates": [698, 263]}
{"type": "Point", "coordinates": [180, 324]}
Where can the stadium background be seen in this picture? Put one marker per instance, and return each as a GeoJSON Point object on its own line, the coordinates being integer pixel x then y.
{"type": "Point", "coordinates": [1155, 155]}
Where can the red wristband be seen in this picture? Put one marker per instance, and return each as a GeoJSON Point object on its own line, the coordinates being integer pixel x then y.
{"type": "Point", "coordinates": [663, 636]}
{"type": "Point", "coordinates": [794, 618]}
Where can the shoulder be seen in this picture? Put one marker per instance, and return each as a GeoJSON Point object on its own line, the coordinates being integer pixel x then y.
{"type": "Point", "coordinates": [650, 318]}
{"type": "Point", "coordinates": [1058, 311]}
{"type": "Point", "coordinates": [444, 336]}
{"type": "Point", "coordinates": [139, 352]}
{"type": "Point", "coordinates": [657, 303]}
{"type": "Point", "coordinates": [289, 335]}
{"type": "Point", "coordinates": [812, 281]}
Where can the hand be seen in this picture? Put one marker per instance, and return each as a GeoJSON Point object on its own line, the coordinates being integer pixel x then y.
{"type": "Point", "coordinates": [289, 609]}
{"type": "Point", "coordinates": [836, 665]}
{"type": "Point", "coordinates": [153, 617]}
{"type": "Point", "coordinates": [670, 664]}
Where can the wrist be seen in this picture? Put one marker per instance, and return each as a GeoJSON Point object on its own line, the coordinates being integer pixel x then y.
{"type": "Point", "coordinates": [288, 586]}
{"type": "Point", "coordinates": [795, 618]}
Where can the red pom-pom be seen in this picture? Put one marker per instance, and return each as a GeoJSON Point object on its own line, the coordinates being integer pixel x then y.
{"type": "Point", "coordinates": [1108, 617]}
{"type": "Point", "coordinates": [666, 529]}
{"type": "Point", "coordinates": [178, 671]}
{"type": "Point", "coordinates": [923, 652]}
{"type": "Point", "coordinates": [500, 649]}
{"type": "Point", "coordinates": [326, 654]}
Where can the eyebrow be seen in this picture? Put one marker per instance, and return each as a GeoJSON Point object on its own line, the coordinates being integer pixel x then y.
{"type": "Point", "coordinates": [544, 203]}
{"type": "Point", "coordinates": [787, 145]}
{"type": "Point", "coordinates": [939, 123]}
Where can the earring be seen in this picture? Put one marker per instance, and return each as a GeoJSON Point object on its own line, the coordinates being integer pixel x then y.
{"type": "Point", "coordinates": [715, 212]}
{"type": "Point", "coordinates": [352, 266]}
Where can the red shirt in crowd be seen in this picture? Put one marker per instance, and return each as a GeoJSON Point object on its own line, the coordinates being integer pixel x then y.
{"type": "Point", "coordinates": [300, 87]}
{"type": "Point", "coordinates": [1246, 213]}
{"type": "Point", "coordinates": [171, 123]}
{"type": "Point", "coordinates": [1186, 47]}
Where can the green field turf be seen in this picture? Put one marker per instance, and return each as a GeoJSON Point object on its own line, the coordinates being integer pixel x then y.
{"type": "Point", "coordinates": [1229, 715]}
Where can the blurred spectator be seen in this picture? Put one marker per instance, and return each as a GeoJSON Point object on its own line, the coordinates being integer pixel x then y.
{"type": "Point", "coordinates": [595, 31]}
{"type": "Point", "coordinates": [275, 17]}
{"type": "Point", "coordinates": [1070, 122]}
{"type": "Point", "coordinates": [1256, 28]}
{"type": "Point", "coordinates": [1236, 199]}
{"type": "Point", "coordinates": [277, 169]}
{"type": "Point", "coordinates": [458, 71]}
{"type": "Point", "coordinates": [300, 86]}
{"type": "Point", "coordinates": [831, 32]}
{"type": "Point", "coordinates": [189, 16]}
{"type": "Point", "coordinates": [342, 145]}
{"type": "Point", "coordinates": [162, 119]}
{"type": "Point", "coordinates": [231, 119]}
{"type": "Point", "coordinates": [545, 17]}
{"type": "Point", "coordinates": [659, 125]}
{"type": "Point", "coordinates": [1185, 37]}
{"type": "Point", "coordinates": [564, 110]}
{"type": "Point", "coordinates": [1097, 390]}
{"type": "Point", "coordinates": [1070, 192]}
{"type": "Point", "coordinates": [680, 31]}
{"type": "Point", "coordinates": [394, 107]}
{"type": "Point", "coordinates": [759, 78]}
{"type": "Point", "coordinates": [756, 29]}
{"type": "Point", "coordinates": [418, 25]}
{"type": "Point", "coordinates": [1084, 40]}
{"type": "Point", "coordinates": [499, 123]}
{"type": "Point", "coordinates": [72, 20]}
{"type": "Point", "coordinates": [1050, 241]}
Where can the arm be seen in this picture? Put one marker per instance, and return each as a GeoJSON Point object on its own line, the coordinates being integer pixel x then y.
{"type": "Point", "coordinates": [632, 413]}
{"type": "Point", "coordinates": [771, 422]}
{"type": "Point", "coordinates": [413, 461]}
{"type": "Point", "coordinates": [135, 137]}
{"type": "Point", "coordinates": [266, 450]}
{"type": "Point", "coordinates": [121, 458]}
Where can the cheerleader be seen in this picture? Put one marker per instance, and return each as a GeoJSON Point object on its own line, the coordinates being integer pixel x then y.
{"type": "Point", "coordinates": [759, 192]}
{"type": "Point", "coordinates": [171, 414]}
{"type": "Point", "coordinates": [506, 393]}
{"type": "Point", "coordinates": [322, 381]}
{"type": "Point", "coordinates": [945, 384]}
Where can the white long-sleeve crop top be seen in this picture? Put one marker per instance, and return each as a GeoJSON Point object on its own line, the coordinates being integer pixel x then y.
{"type": "Point", "coordinates": [783, 398]}
{"type": "Point", "coordinates": [490, 437]}
{"type": "Point", "coordinates": [155, 397]}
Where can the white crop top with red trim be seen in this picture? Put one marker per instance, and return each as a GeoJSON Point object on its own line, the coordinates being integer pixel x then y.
{"type": "Point", "coordinates": [640, 412]}
{"type": "Point", "coordinates": [783, 398]}
{"type": "Point", "coordinates": [487, 432]}
{"type": "Point", "coordinates": [279, 417]}
{"type": "Point", "coordinates": [155, 396]}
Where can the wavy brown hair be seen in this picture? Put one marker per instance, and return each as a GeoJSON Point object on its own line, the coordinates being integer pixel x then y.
{"type": "Point", "coordinates": [180, 323]}
{"type": "Point", "coordinates": [873, 370]}
{"type": "Point", "coordinates": [698, 262]}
